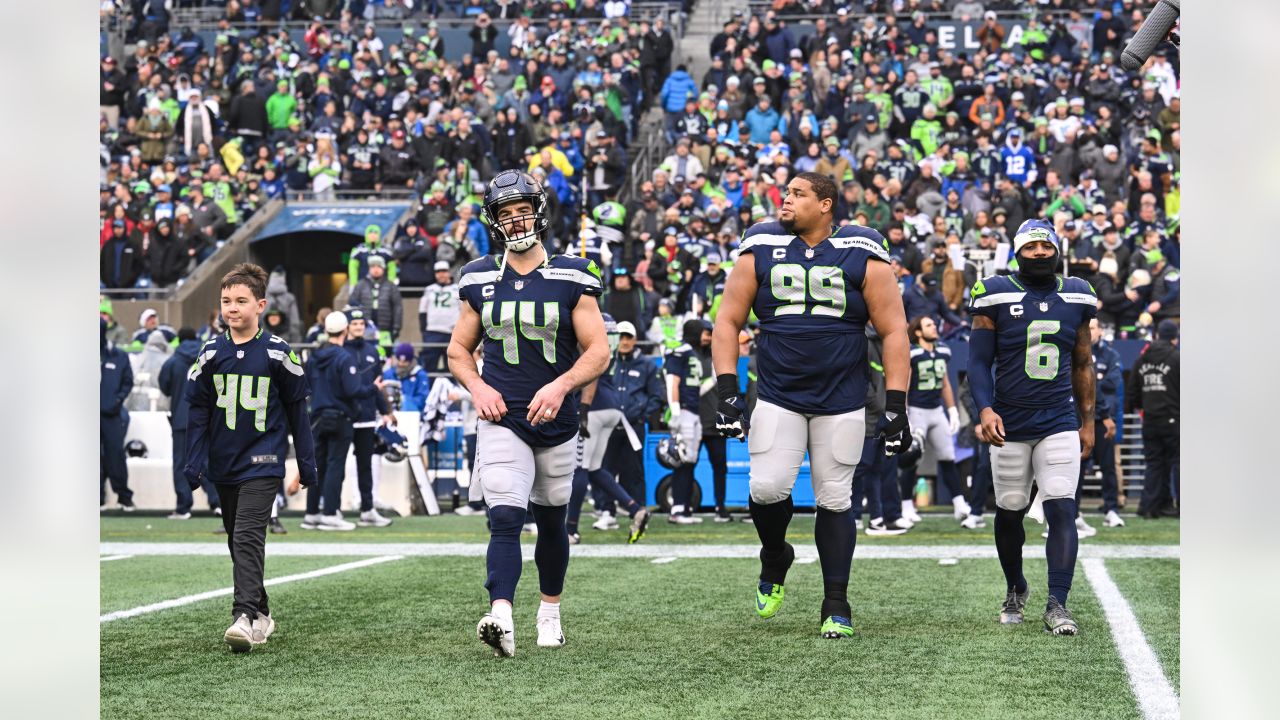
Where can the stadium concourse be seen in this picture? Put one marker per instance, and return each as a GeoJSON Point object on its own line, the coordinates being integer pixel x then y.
{"type": "Point", "coordinates": [661, 130]}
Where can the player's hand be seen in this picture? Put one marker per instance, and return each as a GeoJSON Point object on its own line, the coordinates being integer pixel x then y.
{"type": "Point", "coordinates": [1110, 428]}
{"type": "Point", "coordinates": [1086, 440]}
{"type": "Point", "coordinates": [731, 411]}
{"type": "Point", "coordinates": [488, 402]}
{"type": "Point", "coordinates": [992, 427]}
{"type": "Point", "coordinates": [895, 430]}
{"type": "Point", "coordinates": [582, 424]}
{"type": "Point", "coordinates": [546, 403]}
{"type": "Point", "coordinates": [953, 420]}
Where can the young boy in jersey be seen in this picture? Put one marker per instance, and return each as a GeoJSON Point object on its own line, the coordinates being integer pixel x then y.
{"type": "Point", "coordinates": [247, 394]}
{"type": "Point", "coordinates": [929, 391]}
{"type": "Point", "coordinates": [544, 339]}
{"type": "Point", "coordinates": [814, 289]}
{"type": "Point", "coordinates": [1037, 414]}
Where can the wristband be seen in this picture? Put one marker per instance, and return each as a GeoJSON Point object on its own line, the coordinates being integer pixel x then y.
{"type": "Point", "coordinates": [727, 386]}
{"type": "Point", "coordinates": [895, 401]}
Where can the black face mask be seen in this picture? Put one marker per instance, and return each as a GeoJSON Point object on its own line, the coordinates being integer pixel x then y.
{"type": "Point", "coordinates": [1038, 270]}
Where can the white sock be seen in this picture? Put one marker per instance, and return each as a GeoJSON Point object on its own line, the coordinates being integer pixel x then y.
{"type": "Point", "coordinates": [501, 610]}
{"type": "Point", "coordinates": [548, 610]}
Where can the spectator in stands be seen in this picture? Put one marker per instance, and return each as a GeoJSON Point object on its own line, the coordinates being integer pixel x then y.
{"type": "Point", "coordinates": [247, 118]}
{"type": "Point", "coordinates": [380, 299]}
{"type": "Point", "coordinates": [209, 220]}
{"type": "Point", "coordinates": [149, 322]}
{"type": "Point", "coordinates": [280, 300]}
{"type": "Point", "coordinates": [121, 259]}
{"type": "Point", "coordinates": [173, 383]}
{"type": "Point", "coordinates": [437, 314]}
{"type": "Point", "coordinates": [325, 169]}
{"type": "Point", "coordinates": [115, 383]}
{"type": "Point", "coordinates": [415, 385]}
{"type": "Point", "coordinates": [414, 256]}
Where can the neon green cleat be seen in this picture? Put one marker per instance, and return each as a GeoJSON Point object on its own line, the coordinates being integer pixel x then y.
{"type": "Point", "coordinates": [836, 627]}
{"type": "Point", "coordinates": [769, 599]}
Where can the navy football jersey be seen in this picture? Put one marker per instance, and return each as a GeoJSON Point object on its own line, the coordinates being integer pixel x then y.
{"type": "Point", "coordinates": [812, 349]}
{"type": "Point", "coordinates": [239, 392]}
{"type": "Point", "coordinates": [928, 370]}
{"type": "Point", "coordinates": [528, 335]}
{"type": "Point", "coordinates": [685, 363]}
{"type": "Point", "coordinates": [1035, 338]}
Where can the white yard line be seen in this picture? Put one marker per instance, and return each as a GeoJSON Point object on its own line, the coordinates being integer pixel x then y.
{"type": "Point", "coordinates": [663, 560]}
{"type": "Point", "coordinates": [187, 600]}
{"type": "Point", "coordinates": [109, 558]}
{"type": "Point", "coordinates": [641, 550]}
{"type": "Point", "coordinates": [806, 560]}
{"type": "Point", "coordinates": [1156, 697]}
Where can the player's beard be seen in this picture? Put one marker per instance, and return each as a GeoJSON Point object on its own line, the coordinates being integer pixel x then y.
{"type": "Point", "coordinates": [788, 225]}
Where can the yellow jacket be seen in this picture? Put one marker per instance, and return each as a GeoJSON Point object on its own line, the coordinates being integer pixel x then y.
{"type": "Point", "coordinates": [558, 159]}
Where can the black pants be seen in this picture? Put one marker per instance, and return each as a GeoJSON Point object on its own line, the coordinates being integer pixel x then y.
{"type": "Point", "coordinates": [363, 439]}
{"type": "Point", "coordinates": [111, 432]}
{"type": "Point", "coordinates": [181, 487]}
{"type": "Point", "coordinates": [1160, 450]}
{"type": "Point", "coordinates": [332, 432]}
{"type": "Point", "coordinates": [246, 508]}
{"type": "Point", "coordinates": [718, 456]}
{"type": "Point", "coordinates": [982, 479]}
{"type": "Point", "coordinates": [627, 464]}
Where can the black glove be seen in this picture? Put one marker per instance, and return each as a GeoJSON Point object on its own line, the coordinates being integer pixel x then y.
{"type": "Point", "coordinates": [582, 424]}
{"type": "Point", "coordinates": [896, 433]}
{"type": "Point", "coordinates": [731, 411]}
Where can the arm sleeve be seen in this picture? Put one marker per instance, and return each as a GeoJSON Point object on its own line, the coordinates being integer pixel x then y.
{"type": "Point", "coordinates": [655, 391]}
{"type": "Point", "coordinates": [166, 376]}
{"type": "Point", "coordinates": [982, 352]}
{"type": "Point", "coordinates": [303, 443]}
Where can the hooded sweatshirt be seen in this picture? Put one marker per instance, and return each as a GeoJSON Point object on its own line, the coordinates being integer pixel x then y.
{"type": "Point", "coordinates": [279, 298]}
{"type": "Point", "coordinates": [335, 384]}
{"type": "Point", "coordinates": [173, 381]}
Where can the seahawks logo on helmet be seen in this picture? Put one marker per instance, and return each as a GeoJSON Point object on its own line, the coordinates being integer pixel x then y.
{"type": "Point", "coordinates": [511, 186]}
{"type": "Point", "coordinates": [670, 452]}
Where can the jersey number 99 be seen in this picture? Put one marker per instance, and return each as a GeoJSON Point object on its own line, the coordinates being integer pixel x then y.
{"type": "Point", "coordinates": [796, 287]}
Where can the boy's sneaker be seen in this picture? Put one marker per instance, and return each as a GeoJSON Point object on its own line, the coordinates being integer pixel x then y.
{"type": "Point", "coordinates": [264, 626]}
{"type": "Point", "coordinates": [371, 518]}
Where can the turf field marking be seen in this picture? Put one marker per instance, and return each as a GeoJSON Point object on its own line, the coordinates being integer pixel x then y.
{"type": "Point", "coordinates": [806, 560]}
{"type": "Point", "coordinates": [663, 560]}
{"type": "Point", "coordinates": [187, 600]}
{"type": "Point", "coordinates": [109, 558]}
{"type": "Point", "coordinates": [863, 552]}
{"type": "Point", "coordinates": [1155, 695]}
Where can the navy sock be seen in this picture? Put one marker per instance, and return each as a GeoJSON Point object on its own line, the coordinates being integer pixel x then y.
{"type": "Point", "coordinates": [834, 535]}
{"type": "Point", "coordinates": [1061, 547]}
{"type": "Point", "coordinates": [771, 523]}
{"type": "Point", "coordinates": [1010, 535]}
{"type": "Point", "coordinates": [948, 474]}
{"type": "Point", "coordinates": [551, 553]}
{"type": "Point", "coordinates": [604, 479]}
{"type": "Point", "coordinates": [503, 558]}
{"type": "Point", "coordinates": [576, 498]}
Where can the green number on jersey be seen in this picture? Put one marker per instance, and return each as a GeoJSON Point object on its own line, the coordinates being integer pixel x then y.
{"type": "Point", "coordinates": [932, 374]}
{"type": "Point", "coordinates": [791, 284]}
{"type": "Point", "coordinates": [442, 299]}
{"type": "Point", "coordinates": [1042, 356]}
{"type": "Point", "coordinates": [506, 330]}
{"type": "Point", "coordinates": [236, 391]}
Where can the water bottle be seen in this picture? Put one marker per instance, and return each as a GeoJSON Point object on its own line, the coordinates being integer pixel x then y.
{"type": "Point", "coordinates": [922, 495]}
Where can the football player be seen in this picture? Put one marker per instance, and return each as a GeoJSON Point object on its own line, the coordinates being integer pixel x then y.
{"type": "Point", "coordinates": [544, 339]}
{"type": "Point", "coordinates": [687, 381]}
{"type": "Point", "coordinates": [1037, 411]}
{"type": "Point", "coordinates": [813, 289]}
{"type": "Point", "coordinates": [930, 391]}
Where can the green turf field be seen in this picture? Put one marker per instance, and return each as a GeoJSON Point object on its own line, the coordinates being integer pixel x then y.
{"type": "Point", "coordinates": [645, 640]}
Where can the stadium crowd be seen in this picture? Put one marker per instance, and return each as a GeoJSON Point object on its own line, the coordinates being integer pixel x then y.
{"type": "Point", "coordinates": [944, 151]}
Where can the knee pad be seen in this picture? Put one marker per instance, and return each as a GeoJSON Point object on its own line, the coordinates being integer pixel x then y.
{"type": "Point", "coordinates": [1010, 475]}
{"type": "Point", "coordinates": [1057, 465]}
{"type": "Point", "coordinates": [506, 520]}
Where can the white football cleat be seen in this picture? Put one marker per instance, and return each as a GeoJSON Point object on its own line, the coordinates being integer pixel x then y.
{"type": "Point", "coordinates": [179, 516]}
{"type": "Point", "coordinates": [606, 521]}
{"type": "Point", "coordinates": [1084, 529]}
{"type": "Point", "coordinates": [1036, 511]}
{"type": "Point", "coordinates": [498, 634]}
{"type": "Point", "coordinates": [877, 526]}
{"type": "Point", "coordinates": [960, 507]}
{"type": "Point", "coordinates": [1113, 519]}
{"type": "Point", "coordinates": [372, 518]}
{"type": "Point", "coordinates": [549, 634]}
{"type": "Point", "coordinates": [973, 522]}
{"type": "Point", "coordinates": [334, 522]}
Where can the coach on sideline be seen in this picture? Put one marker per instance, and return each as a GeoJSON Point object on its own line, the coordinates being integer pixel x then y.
{"type": "Point", "coordinates": [639, 383]}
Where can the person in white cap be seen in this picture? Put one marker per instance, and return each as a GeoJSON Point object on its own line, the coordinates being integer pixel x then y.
{"type": "Point", "coordinates": [335, 386]}
{"type": "Point", "coordinates": [149, 322]}
{"type": "Point", "coordinates": [437, 315]}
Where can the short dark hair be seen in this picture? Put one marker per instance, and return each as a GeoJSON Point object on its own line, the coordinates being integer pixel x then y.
{"type": "Point", "coordinates": [251, 276]}
{"type": "Point", "coordinates": [186, 332]}
{"type": "Point", "coordinates": [823, 186]}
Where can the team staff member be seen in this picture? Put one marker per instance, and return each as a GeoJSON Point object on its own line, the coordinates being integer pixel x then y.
{"type": "Point", "coordinates": [247, 393]}
{"type": "Point", "coordinates": [173, 383]}
{"type": "Point", "coordinates": [1154, 389]}
{"type": "Point", "coordinates": [368, 364]}
{"type": "Point", "coordinates": [685, 378]}
{"type": "Point", "coordinates": [115, 384]}
{"type": "Point", "coordinates": [876, 476]}
{"type": "Point", "coordinates": [639, 384]}
{"type": "Point", "coordinates": [1107, 363]}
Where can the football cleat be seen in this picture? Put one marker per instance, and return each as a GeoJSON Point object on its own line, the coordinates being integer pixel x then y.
{"type": "Point", "coordinates": [498, 634]}
{"type": "Point", "coordinates": [768, 599]}
{"type": "Point", "coordinates": [467, 510]}
{"type": "Point", "coordinates": [179, 516]}
{"type": "Point", "coordinates": [973, 522]}
{"type": "Point", "coordinates": [877, 526]}
{"type": "Point", "coordinates": [639, 522]}
{"type": "Point", "coordinates": [575, 539]}
{"type": "Point", "coordinates": [1058, 620]}
{"type": "Point", "coordinates": [606, 522]}
{"type": "Point", "coordinates": [549, 634]}
{"type": "Point", "coordinates": [1011, 609]}
{"type": "Point", "coordinates": [837, 627]}
{"type": "Point", "coordinates": [1113, 519]}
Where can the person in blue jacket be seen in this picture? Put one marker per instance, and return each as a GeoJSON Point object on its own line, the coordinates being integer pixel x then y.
{"type": "Point", "coordinates": [173, 383]}
{"type": "Point", "coordinates": [677, 88]}
{"type": "Point", "coordinates": [1110, 370]}
{"type": "Point", "coordinates": [371, 411]}
{"type": "Point", "coordinates": [414, 382]}
{"type": "Point", "coordinates": [115, 384]}
{"type": "Point", "coordinates": [638, 381]}
{"type": "Point", "coordinates": [924, 298]}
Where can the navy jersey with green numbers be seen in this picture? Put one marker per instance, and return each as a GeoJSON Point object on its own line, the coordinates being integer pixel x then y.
{"type": "Point", "coordinates": [812, 348]}
{"type": "Point", "coordinates": [928, 371]}
{"type": "Point", "coordinates": [1035, 338]}
{"type": "Point", "coordinates": [528, 335]}
{"type": "Point", "coordinates": [239, 393]}
{"type": "Point", "coordinates": [685, 363]}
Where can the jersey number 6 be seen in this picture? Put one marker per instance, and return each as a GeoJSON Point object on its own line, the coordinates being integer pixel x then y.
{"type": "Point", "coordinates": [822, 283]}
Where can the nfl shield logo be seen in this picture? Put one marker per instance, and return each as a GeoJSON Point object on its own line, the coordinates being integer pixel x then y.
{"type": "Point", "coordinates": [809, 253]}
{"type": "Point", "coordinates": [1044, 307]}
{"type": "Point", "coordinates": [519, 284]}
{"type": "Point", "coordinates": [240, 354]}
